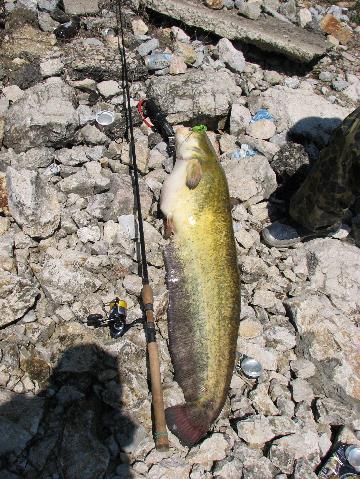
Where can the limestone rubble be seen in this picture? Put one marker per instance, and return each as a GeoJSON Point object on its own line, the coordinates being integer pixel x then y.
{"type": "Point", "coordinates": [76, 403]}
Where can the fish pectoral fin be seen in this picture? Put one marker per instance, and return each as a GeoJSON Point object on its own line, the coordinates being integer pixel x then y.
{"type": "Point", "coordinates": [193, 174]}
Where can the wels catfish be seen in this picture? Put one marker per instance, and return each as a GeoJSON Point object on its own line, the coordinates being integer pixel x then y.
{"type": "Point", "coordinates": [203, 284]}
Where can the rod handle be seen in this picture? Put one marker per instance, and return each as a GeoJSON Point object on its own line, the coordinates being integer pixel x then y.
{"type": "Point", "coordinates": [161, 435]}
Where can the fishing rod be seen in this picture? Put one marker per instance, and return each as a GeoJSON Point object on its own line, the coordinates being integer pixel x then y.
{"type": "Point", "coordinates": [160, 431]}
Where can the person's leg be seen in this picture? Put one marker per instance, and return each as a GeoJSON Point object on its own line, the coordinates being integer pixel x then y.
{"type": "Point", "coordinates": [330, 188]}
{"type": "Point", "coordinates": [334, 181]}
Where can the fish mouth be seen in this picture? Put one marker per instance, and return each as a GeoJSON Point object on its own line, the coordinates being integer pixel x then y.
{"type": "Point", "coordinates": [187, 143]}
{"type": "Point", "coordinates": [182, 134]}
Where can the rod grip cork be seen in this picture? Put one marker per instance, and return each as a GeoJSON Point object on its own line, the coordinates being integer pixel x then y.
{"type": "Point", "coordinates": [161, 435]}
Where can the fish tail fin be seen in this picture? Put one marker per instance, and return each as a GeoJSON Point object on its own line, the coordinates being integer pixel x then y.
{"type": "Point", "coordinates": [188, 422]}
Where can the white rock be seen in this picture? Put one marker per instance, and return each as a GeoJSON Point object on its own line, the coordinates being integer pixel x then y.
{"type": "Point", "coordinates": [325, 444]}
{"type": "Point", "coordinates": [252, 269]}
{"type": "Point", "coordinates": [286, 450]}
{"type": "Point", "coordinates": [177, 65]}
{"type": "Point", "coordinates": [147, 47]}
{"type": "Point", "coordinates": [232, 57]}
{"type": "Point", "coordinates": [239, 119]}
{"type": "Point", "coordinates": [27, 4]}
{"type": "Point", "coordinates": [89, 234]}
{"type": "Point", "coordinates": [301, 390]}
{"type": "Point", "coordinates": [51, 67]}
{"type": "Point", "coordinates": [133, 284]}
{"type": "Point", "coordinates": [17, 296]}
{"type": "Point", "coordinates": [212, 449]}
{"type": "Point", "coordinates": [250, 328]}
{"type": "Point", "coordinates": [261, 129]}
{"type": "Point", "coordinates": [260, 429]}
{"type": "Point", "coordinates": [63, 279]}
{"type": "Point", "coordinates": [44, 116]}
{"type": "Point", "coordinates": [248, 177]}
{"type": "Point", "coordinates": [303, 368]}
{"type": "Point", "coordinates": [46, 23]}
{"type": "Point", "coordinates": [353, 91]}
{"type": "Point", "coordinates": [262, 402]}
{"type": "Point", "coordinates": [81, 7]}
{"type": "Point", "coordinates": [292, 82]}
{"type": "Point", "coordinates": [266, 357]}
{"type": "Point", "coordinates": [114, 233]}
{"type": "Point", "coordinates": [333, 40]}
{"type": "Point", "coordinates": [172, 468]}
{"type": "Point", "coordinates": [244, 238]}
{"type": "Point", "coordinates": [249, 9]}
{"type": "Point", "coordinates": [92, 135]}
{"type": "Point", "coordinates": [282, 338]}
{"type": "Point", "coordinates": [304, 112]}
{"type": "Point", "coordinates": [142, 153]}
{"type": "Point", "coordinates": [33, 202]}
{"type": "Point", "coordinates": [139, 27]}
{"type": "Point", "coordinates": [101, 181]}
{"type": "Point", "coordinates": [12, 93]}
{"type": "Point", "coordinates": [254, 464]}
{"type": "Point", "coordinates": [264, 298]}
{"type": "Point", "coordinates": [334, 413]}
{"type": "Point", "coordinates": [108, 88]}
{"type": "Point", "coordinates": [330, 335]}
{"type": "Point", "coordinates": [180, 35]}
{"type": "Point", "coordinates": [305, 17]}
{"type": "Point", "coordinates": [229, 468]}
{"type": "Point", "coordinates": [195, 94]}
{"type": "Point", "coordinates": [334, 260]}
{"type": "Point", "coordinates": [47, 5]}
{"type": "Point", "coordinates": [7, 261]}
{"type": "Point", "coordinates": [80, 183]}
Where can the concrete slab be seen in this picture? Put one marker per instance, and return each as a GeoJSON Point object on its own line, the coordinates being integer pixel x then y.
{"type": "Point", "coordinates": [269, 34]}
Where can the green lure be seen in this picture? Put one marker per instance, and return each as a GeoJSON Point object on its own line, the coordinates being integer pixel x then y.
{"type": "Point", "coordinates": [199, 128]}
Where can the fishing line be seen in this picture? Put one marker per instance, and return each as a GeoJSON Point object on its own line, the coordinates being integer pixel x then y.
{"type": "Point", "coordinates": [186, 138]}
{"type": "Point", "coordinates": [121, 48]}
{"type": "Point", "coordinates": [159, 422]}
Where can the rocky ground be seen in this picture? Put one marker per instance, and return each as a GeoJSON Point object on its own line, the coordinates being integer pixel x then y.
{"type": "Point", "coordinates": [75, 403]}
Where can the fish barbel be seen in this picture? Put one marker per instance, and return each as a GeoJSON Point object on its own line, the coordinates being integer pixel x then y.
{"type": "Point", "coordinates": [203, 284]}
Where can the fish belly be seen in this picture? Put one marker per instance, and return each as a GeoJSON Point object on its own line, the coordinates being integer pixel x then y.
{"type": "Point", "coordinates": [204, 309]}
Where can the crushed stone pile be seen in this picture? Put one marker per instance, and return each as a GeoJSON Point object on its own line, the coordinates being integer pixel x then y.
{"type": "Point", "coordinates": [74, 402]}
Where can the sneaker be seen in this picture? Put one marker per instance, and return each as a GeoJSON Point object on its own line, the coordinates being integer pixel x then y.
{"type": "Point", "coordinates": [283, 235]}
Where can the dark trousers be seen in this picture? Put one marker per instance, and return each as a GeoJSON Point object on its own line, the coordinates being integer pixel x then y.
{"type": "Point", "coordinates": [333, 183]}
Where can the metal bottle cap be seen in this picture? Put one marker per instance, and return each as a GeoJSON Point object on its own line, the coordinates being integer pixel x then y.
{"type": "Point", "coordinates": [251, 367]}
{"type": "Point", "coordinates": [105, 117]}
{"type": "Point", "coordinates": [352, 454]}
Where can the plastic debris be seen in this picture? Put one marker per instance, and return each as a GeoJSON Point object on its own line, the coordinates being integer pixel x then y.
{"type": "Point", "coordinates": [343, 462]}
{"type": "Point", "coordinates": [158, 61]}
{"type": "Point", "coordinates": [52, 170]}
{"type": "Point", "coordinates": [68, 29]}
{"type": "Point", "coordinates": [262, 114]}
{"type": "Point", "coordinates": [243, 152]}
{"type": "Point", "coordinates": [105, 117]}
{"type": "Point", "coordinates": [108, 32]}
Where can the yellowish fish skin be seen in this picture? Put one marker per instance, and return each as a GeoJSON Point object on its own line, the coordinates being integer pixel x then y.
{"type": "Point", "coordinates": [204, 244]}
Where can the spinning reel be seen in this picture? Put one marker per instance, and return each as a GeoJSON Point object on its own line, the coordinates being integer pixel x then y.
{"type": "Point", "coordinates": [115, 319]}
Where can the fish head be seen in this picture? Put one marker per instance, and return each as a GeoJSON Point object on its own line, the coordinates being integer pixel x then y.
{"type": "Point", "coordinates": [192, 145]}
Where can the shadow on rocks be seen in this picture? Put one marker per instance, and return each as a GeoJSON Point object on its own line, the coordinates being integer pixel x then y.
{"type": "Point", "coordinates": [72, 428]}
{"type": "Point", "coordinates": [293, 162]}
{"type": "Point", "coordinates": [313, 130]}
